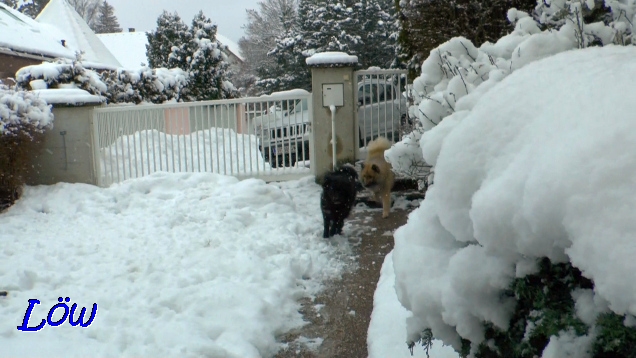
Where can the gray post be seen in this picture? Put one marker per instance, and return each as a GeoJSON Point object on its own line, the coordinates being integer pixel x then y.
{"type": "Point", "coordinates": [332, 68]}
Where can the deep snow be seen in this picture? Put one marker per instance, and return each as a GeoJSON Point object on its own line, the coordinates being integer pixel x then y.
{"type": "Point", "coordinates": [541, 166]}
{"type": "Point", "coordinates": [178, 264]}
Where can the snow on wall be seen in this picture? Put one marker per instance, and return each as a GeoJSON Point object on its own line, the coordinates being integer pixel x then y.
{"type": "Point", "coordinates": [541, 166]}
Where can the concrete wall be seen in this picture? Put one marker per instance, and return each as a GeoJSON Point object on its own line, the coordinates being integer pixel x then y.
{"type": "Point", "coordinates": [67, 154]}
{"type": "Point", "coordinates": [346, 126]}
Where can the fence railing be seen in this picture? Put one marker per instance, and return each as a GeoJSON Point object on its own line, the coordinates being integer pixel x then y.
{"type": "Point", "coordinates": [266, 137]}
{"type": "Point", "coordinates": [382, 105]}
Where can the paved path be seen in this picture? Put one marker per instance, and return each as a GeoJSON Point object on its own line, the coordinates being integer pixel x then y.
{"type": "Point", "coordinates": [338, 328]}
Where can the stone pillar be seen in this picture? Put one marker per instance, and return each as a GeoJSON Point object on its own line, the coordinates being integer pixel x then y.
{"type": "Point", "coordinates": [332, 68]}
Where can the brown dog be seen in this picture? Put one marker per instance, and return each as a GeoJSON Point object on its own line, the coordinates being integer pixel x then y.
{"type": "Point", "coordinates": [377, 175]}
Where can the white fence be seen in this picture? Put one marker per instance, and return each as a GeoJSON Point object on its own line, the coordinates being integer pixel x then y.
{"type": "Point", "coordinates": [382, 105]}
{"type": "Point", "coordinates": [266, 137]}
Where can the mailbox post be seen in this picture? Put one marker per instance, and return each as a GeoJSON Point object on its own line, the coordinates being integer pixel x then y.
{"type": "Point", "coordinates": [334, 122]}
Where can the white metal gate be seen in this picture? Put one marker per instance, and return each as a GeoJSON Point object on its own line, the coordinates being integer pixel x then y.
{"type": "Point", "coordinates": [382, 102]}
{"type": "Point", "coordinates": [266, 137]}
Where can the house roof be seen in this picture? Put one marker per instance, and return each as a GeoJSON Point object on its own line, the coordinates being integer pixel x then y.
{"type": "Point", "coordinates": [64, 22]}
{"type": "Point", "coordinates": [231, 45]}
{"type": "Point", "coordinates": [130, 47]}
{"type": "Point", "coordinates": [19, 34]}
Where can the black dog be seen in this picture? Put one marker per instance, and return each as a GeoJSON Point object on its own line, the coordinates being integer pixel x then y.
{"type": "Point", "coordinates": [337, 199]}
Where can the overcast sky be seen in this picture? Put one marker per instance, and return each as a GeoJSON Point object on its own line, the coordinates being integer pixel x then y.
{"type": "Point", "coordinates": [229, 15]}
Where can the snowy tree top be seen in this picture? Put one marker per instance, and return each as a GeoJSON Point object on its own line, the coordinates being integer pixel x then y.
{"type": "Point", "coordinates": [331, 58]}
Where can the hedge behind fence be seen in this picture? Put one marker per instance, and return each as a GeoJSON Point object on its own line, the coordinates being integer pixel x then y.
{"type": "Point", "coordinates": [23, 120]}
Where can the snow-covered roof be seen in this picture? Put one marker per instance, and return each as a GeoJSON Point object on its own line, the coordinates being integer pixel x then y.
{"type": "Point", "coordinates": [61, 20]}
{"type": "Point", "coordinates": [20, 33]}
{"type": "Point", "coordinates": [128, 47]}
{"type": "Point", "coordinates": [231, 45]}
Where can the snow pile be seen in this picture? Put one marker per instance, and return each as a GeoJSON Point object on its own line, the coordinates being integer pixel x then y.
{"type": "Point", "coordinates": [180, 265]}
{"type": "Point", "coordinates": [20, 109]}
{"type": "Point", "coordinates": [457, 73]}
{"type": "Point", "coordinates": [215, 150]}
{"type": "Point", "coordinates": [532, 171]}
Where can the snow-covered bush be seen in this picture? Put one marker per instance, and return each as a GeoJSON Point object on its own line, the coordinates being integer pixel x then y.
{"type": "Point", "coordinates": [524, 246]}
{"type": "Point", "coordinates": [61, 73]}
{"type": "Point", "coordinates": [23, 119]}
{"type": "Point", "coordinates": [144, 85]}
{"type": "Point", "coordinates": [116, 86]}
{"type": "Point", "coordinates": [457, 72]}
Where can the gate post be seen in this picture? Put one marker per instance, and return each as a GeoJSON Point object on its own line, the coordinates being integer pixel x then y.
{"type": "Point", "coordinates": [332, 68]}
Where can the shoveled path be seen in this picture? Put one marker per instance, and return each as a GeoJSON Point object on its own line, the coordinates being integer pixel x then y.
{"type": "Point", "coordinates": [339, 317]}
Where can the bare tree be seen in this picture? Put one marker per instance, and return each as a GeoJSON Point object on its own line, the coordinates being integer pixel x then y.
{"type": "Point", "coordinates": [272, 18]}
{"type": "Point", "coordinates": [87, 9]}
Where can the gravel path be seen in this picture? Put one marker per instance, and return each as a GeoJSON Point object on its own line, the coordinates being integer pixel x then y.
{"type": "Point", "coordinates": [339, 317]}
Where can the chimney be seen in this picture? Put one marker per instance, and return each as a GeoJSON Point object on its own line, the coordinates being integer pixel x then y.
{"type": "Point", "coordinates": [131, 29]}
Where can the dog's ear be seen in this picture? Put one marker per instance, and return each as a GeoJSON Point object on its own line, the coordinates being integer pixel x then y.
{"type": "Point", "coordinates": [362, 166]}
{"type": "Point", "coordinates": [375, 168]}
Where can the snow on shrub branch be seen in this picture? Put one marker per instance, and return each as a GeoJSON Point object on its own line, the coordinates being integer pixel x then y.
{"type": "Point", "coordinates": [457, 73]}
{"type": "Point", "coordinates": [20, 110]}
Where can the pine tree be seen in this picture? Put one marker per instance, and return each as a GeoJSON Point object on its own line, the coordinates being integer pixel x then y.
{"type": "Point", "coordinates": [171, 31]}
{"type": "Point", "coordinates": [206, 62]}
{"type": "Point", "coordinates": [106, 19]}
{"type": "Point", "coordinates": [291, 70]}
{"type": "Point", "coordinates": [194, 50]}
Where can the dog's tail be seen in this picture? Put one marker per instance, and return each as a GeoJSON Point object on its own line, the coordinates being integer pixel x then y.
{"type": "Point", "coordinates": [377, 147]}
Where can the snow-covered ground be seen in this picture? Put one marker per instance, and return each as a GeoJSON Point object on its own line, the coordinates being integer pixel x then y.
{"type": "Point", "coordinates": [542, 166]}
{"type": "Point", "coordinates": [178, 264]}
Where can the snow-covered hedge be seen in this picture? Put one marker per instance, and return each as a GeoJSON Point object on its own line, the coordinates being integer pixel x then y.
{"type": "Point", "coordinates": [145, 85]}
{"type": "Point", "coordinates": [522, 247]}
{"type": "Point", "coordinates": [540, 168]}
{"type": "Point", "coordinates": [23, 111]}
{"type": "Point", "coordinates": [116, 86]}
{"type": "Point", "coordinates": [457, 72]}
{"type": "Point", "coordinates": [23, 119]}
